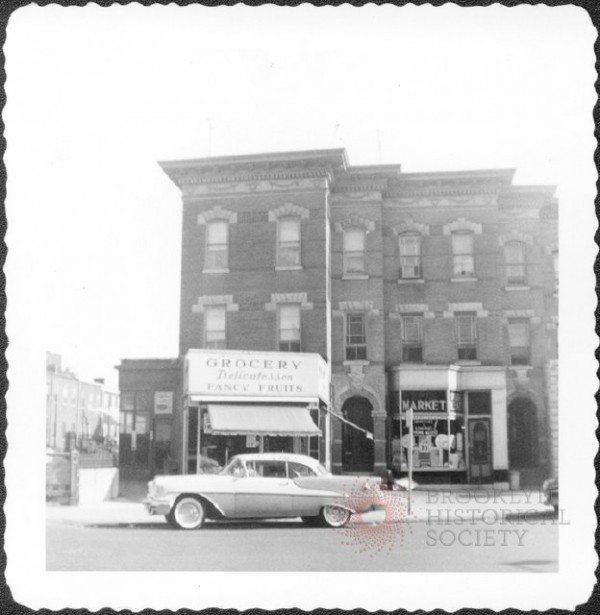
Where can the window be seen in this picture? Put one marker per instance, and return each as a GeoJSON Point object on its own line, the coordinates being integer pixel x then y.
{"type": "Point", "coordinates": [288, 242]}
{"type": "Point", "coordinates": [462, 250]}
{"type": "Point", "coordinates": [356, 340]}
{"type": "Point", "coordinates": [518, 339]}
{"type": "Point", "coordinates": [410, 256]}
{"type": "Point", "coordinates": [297, 470]}
{"type": "Point", "coordinates": [289, 328]}
{"type": "Point", "coordinates": [412, 345]}
{"type": "Point", "coordinates": [466, 335]}
{"type": "Point", "coordinates": [514, 256]}
{"type": "Point", "coordinates": [215, 326]}
{"type": "Point", "coordinates": [354, 250]}
{"type": "Point", "coordinates": [217, 232]}
{"type": "Point", "coordinates": [266, 469]}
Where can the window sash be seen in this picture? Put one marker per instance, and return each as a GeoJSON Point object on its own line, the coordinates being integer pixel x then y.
{"type": "Point", "coordinates": [288, 253]}
{"type": "Point", "coordinates": [289, 327]}
{"type": "Point", "coordinates": [462, 243]}
{"type": "Point", "coordinates": [215, 327]}
{"type": "Point", "coordinates": [356, 339]}
{"type": "Point", "coordinates": [354, 262]}
{"type": "Point", "coordinates": [354, 251]}
{"type": "Point", "coordinates": [466, 330]}
{"type": "Point", "coordinates": [216, 256]}
{"type": "Point", "coordinates": [464, 264]}
{"type": "Point", "coordinates": [217, 232]}
{"type": "Point", "coordinates": [412, 330]}
{"type": "Point", "coordinates": [410, 245]}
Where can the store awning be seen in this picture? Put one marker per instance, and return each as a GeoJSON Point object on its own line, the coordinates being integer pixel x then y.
{"type": "Point", "coordinates": [261, 420]}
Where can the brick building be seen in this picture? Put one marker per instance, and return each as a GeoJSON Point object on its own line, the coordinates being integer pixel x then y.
{"type": "Point", "coordinates": [431, 299]}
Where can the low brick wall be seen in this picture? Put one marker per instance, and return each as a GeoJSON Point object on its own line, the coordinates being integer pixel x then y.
{"type": "Point", "coordinates": [98, 485]}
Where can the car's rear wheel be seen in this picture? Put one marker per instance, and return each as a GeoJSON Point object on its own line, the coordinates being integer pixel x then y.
{"type": "Point", "coordinates": [188, 513]}
{"type": "Point", "coordinates": [334, 516]}
{"type": "Point", "coordinates": [311, 521]}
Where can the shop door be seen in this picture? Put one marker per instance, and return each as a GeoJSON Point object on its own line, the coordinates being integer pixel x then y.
{"type": "Point", "coordinates": [480, 449]}
{"type": "Point", "coordinates": [357, 449]}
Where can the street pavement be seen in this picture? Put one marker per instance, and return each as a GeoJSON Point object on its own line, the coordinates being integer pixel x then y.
{"type": "Point", "coordinates": [484, 531]}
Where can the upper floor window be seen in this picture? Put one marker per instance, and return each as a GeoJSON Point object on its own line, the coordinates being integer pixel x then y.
{"type": "Point", "coordinates": [288, 242]}
{"type": "Point", "coordinates": [412, 338]}
{"type": "Point", "coordinates": [356, 338]}
{"type": "Point", "coordinates": [514, 256]}
{"type": "Point", "coordinates": [462, 250]}
{"type": "Point", "coordinates": [217, 235]}
{"type": "Point", "coordinates": [410, 255]}
{"type": "Point", "coordinates": [289, 328]}
{"type": "Point", "coordinates": [518, 339]}
{"type": "Point", "coordinates": [354, 250]}
{"type": "Point", "coordinates": [466, 335]}
{"type": "Point", "coordinates": [215, 328]}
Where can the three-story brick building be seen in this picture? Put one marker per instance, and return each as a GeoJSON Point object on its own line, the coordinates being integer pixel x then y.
{"type": "Point", "coordinates": [430, 298]}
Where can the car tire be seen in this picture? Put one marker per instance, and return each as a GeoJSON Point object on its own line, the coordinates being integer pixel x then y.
{"type": "Point", "coordinates": [334, 516]}
{"type": "Point", "coordinates": [311, 521]}
{"type": "Point", "coordinates": [188, 513]}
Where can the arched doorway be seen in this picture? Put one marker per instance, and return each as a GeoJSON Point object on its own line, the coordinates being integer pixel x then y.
{"type": "Point", "coordinates": [357, 449]}
{"type": "Point", "coordinates": [522, 433]}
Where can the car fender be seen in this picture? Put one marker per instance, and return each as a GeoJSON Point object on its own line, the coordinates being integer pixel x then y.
{"type": "Point", "coordinates": [173, 497]}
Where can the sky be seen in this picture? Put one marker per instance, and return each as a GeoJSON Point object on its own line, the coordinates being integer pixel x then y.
{"type": "Point", "coordinates": [96, 96]}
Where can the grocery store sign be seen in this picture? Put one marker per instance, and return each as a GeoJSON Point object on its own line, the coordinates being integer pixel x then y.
{"type": "Point", "coordinates": [238, 374]}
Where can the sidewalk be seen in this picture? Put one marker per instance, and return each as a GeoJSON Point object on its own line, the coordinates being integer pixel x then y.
{"type": "Point", "coordinates": [442, 507]}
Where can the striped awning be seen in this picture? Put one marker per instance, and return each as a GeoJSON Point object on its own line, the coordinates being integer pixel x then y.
{"type": "Point", "coordinates": [261, 420]}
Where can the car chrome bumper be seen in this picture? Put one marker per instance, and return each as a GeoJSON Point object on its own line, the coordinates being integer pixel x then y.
{"type": "Point", "coordinates": [157, 507]}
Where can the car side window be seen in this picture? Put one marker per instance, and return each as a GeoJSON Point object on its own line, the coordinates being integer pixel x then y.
{"type": "Point", "coordinates": [270, 469]}
{"type": "Point", "coordinates": [236, 468]}
{"type": "Point", "coordinates": [298, 470]}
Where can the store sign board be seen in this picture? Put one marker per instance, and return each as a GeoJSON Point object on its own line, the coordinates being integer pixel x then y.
{"type": "Point", "coordinates": [423, 401]}
{"type": "Point", "coordinates": [163, 402]}
{"type": "Point", "coordinates": [238, 374]}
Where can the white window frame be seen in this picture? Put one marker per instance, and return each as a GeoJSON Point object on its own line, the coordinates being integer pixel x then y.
{"type": "Point", "coordinates": [471, 343]}
{"type": "Point", "coordinates": [515, 270]}
{"type": "Point", "coordinates": [212, 248]}
{"type": "Point", "coordinates": [219, 343]}
{"type": "Point", "coordinates": [405, 259]}
{"type": "Point", "coordinates": [297, 244]}
{"type": "Point", "coordinates": [281, 306]}
{"type": "Point", "coordinates": [520, 354]}
{"type": "Point", "coordinates": [467, 256]}
{"type": "Point", "coordinates": [408, 344]}
{"type": "Point", "coordinates": [355, 346]}
{"type": "Point", "coordinates": [360, 254]}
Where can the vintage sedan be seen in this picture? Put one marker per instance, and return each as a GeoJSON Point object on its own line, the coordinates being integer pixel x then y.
{"type": "Point", "coordinates": [261, 485]}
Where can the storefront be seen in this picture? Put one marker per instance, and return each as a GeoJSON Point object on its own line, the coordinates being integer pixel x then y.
{"type": "Point", "coordinates": [242, 401]}
{"type": "Point", "coordinates": [456, 418]}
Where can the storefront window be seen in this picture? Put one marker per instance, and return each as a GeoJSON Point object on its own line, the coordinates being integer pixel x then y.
{"type": "Point", "coordinates": [437, 434]}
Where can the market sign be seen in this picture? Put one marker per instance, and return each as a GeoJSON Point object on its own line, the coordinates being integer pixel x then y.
{"type": "Point", "coordinates": [424, 402]}
{"type": "Point", "coordinates": [241, 374]}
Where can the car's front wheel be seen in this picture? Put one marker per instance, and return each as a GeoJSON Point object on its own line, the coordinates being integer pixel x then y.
{"type": "Point", "coordinates": [187, 514]}
{"type": "Point", "coordinates": [334, 516]}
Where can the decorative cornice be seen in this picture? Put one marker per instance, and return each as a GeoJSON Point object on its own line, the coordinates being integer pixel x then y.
{"type": "Point", "coordinates": [288, 209]}
{"type": "Point", "coordinates": [225, 300]}
{"type": "Point", "coordinates": [410, 226]}
{"type": "Point", "coordinates": [466, 307]}
{"type": "Point", "coordinates": [358, 306]}
{"type": "Point", "coordinates": [217, 213]}
{"type": "Point", "coordinates": [353, 222]}
{"type": "Point", "coordinates": [414, 308]}
{"type": "Point", "coordinates": [299, 298]}
{"type": "Point", "coordinates": [462, 224]}
{"type": "Point", "coordinates": [515, 235]}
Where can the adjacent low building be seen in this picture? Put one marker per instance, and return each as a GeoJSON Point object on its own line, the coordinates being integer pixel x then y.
{"type": "Point", "coordinates": [420, 304]}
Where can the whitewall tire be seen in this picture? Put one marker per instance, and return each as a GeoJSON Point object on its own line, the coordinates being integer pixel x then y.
{"type": "Point", "coordinates": [335, 516]}
{"type": "Point", "coordinates": [188, 513]}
